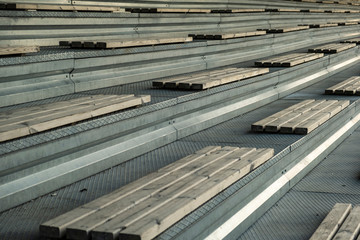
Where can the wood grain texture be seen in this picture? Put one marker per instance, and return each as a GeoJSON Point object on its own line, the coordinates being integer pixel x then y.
{"type": "Point", "coordinates": [350, 229]}
{"type": "Point", "coordinates": [332, 222]}
{"type": "Point", "coordinates": [301, 118]}
{"type": "Point", "coordinates": [210, 79]}
{"type": "Point", "coordinates": [22, 122]}
{"type": "Point", "coordinates": [288, 60]}
{"type": "Point", "coordinates": [163, 195]}
{"type": "Point", "coordinates": [18, 50]}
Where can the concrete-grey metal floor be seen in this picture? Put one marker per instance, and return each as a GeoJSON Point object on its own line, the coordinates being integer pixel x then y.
{"type": "Point", "coordinates": [297, 215]}
{"type": "Point", "coordinates": [22, 222]}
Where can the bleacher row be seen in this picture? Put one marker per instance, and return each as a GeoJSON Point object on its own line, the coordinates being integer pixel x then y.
{"type": "Point", "coordinates": [140, 210]}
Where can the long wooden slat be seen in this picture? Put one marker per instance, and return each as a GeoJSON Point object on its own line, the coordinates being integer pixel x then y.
{"type": "Point", "coordinates": [340, 87]}
{"type": "Point", "coordinates": [140, 42]}
{"type": "Point", "coordinates": [354, 40]}
{"type": "Point", "coordinates": [350, 229]}
{"type": "Point", "coordinates": [183, 81]}
{"type": "Point", "coordinates": [321, 117]}
{"type": "Point", "coordinates": [259, 126]}
{"type": "Point", "coordinates": [18, 50]}
{"type": "Point", "coordinates": [301, 118]}
{"type": "Point", "coordinates": [163, 192]}
{"type": "Point", "coordinates": [290, 126]}
{"type": "Point", "coordinates": [301, 60]}
{"type": "Point", "coordinates": [32, 120]}
{"type": "Point", "coordinates": [270, 61]}
{"type": "Point", "coordinates": [223, 36]}
{"type": "Point", "coordinates": [210, 79]}
{"type": "Point", "coordinates": [284, 29]}
{"type": "Point", "coordinates": [161, 82]}
{"type": "Point", "coordinates": [289, 60]}
{"type": "Point", "coordinates": [208, 83]}
{"type": "Point", "coordinates": [279, 61]}
{"type": "Point", "coordinates": [152, 195]}
{"type": "Point", "coordinates": [214, 181]}
{"type": "Point", "coordinates": [61, 7]}
{"type": "Point", "coordinates": [182, 10]}
{"type": "Point", "coordinates": [332, 222]}
{"type": "Point", "coordinates": [333, 48]}
{"type": "Point", "coordinates": [295, 115]}
{"type": "Point", "coordinates": [56, 228]}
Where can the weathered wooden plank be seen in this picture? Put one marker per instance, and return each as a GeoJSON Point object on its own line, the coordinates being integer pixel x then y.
{"type": "Point", "coordinates": [161, 82]}
{"type": "Point", "coordinates": [332, 222]}
{"type": "Point", "coordinates": [270, 61]}
{"type": "Point", "coordinates": [301, 60]}
{"type": "Point", "coordinates": [339, 88]}
{"type": "Point", "coordinates": [182, 10]}
{"type": "Point", "coordinates": [150, 225]}
{"type": "Point", "coordinates": [220, 80]}
{"type": "Point", "coordinates": [140, 42]}
{"type": "Point", "coordinates": [289, 60]}
{"type": "Point", "coordinates": [56, 228]}
{"type": "Point", "coordinates": [18, 50]}
{"type": "Point", "coordinates": [284, 29]}
{"type": "Point", "coordinates": [321, 117]}
{"type": "Point", "coordinates": [351, 89]}
{"type": "Point", "coordinates": [164, 192]}
{"type": "Point", "coordinates": [61, 7]}
{"type": "Point", "coordinates": [223, 36]}
{"type": "Point", "coordinates": [24, 122]}
{"type": "Point", "coordinates": [333, 48]}
{"type": "Point", "coordinates": [247, 10]}
{"type": "Point", "coordinates": [319, 106]}
{"type": "Point", "coordinates": [154, 195]}
{"type": "Point", "coordinates": [350, 229]}
{"type": "Point", "coordinates": [323, 25]}
{"type": "Point", "coordinates": [182, 82]}
{"type": "Point", "coordinates": [259, 126]}
{"type": "Point", "coordinates": [354, 40]}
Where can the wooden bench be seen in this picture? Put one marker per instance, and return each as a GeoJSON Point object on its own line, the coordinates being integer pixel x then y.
{"type": "Point", "coordinates": [241, 10]}
{"type": "Point", "coordinates": [145, 208]}
{"type": "Point", "coordinates": [282, 10]}
{"type": "Point", "coordinates": [354, 40]}
{"type": "Point", "coordinates": [350, 86]}
{"type": "Point", "coordinates": [168, 10]}
{"type": "Point", "coordinates": [110, 44]}
{"type": "Point", "coordinates": [22, 122]}
{"type": "Point", "coordinates": [284, 29]}
{"type": "Point", "coordinates": [288, 60]}
{"type": "Point", "coordinates": [205, 80]}
{"type": "Point", "coordinates": [342, 222]}
{"type": "Point", "coordinates": [58, 7]}
{"type": "Point", "coordinates": [332, 48]}
{"type": "Point", "coordinates": [222, 36]}
{"type": "Point", "coordinates": [18, 50]}
{"type": "Point", "coordinates": [301, 118]}
{"type": "Point", "coordinates": [323, 25]}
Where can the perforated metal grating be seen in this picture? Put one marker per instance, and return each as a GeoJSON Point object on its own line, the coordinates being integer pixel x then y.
{"type": "Point", "coordinates": [298, 214]}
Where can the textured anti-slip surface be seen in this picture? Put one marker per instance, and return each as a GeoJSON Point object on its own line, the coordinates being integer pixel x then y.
{"type": "Point", "coordinates": [23, 221]}
{"type": "Point", "coordinates": [299, 213]}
